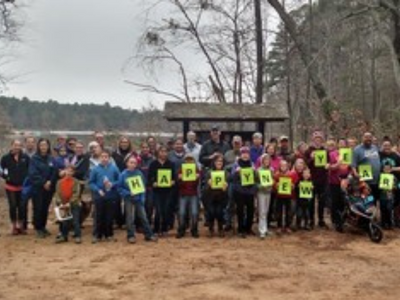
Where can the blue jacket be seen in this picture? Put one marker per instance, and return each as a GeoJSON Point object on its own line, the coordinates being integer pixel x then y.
{"type": "Point", "coordinates": [255, 153]}
{"type": "Point", "coordinates": [97, 177]}
{"type": "Point", "coordinates": [41, 170]}
{"type": "Point", "coordinates": [123, 188]}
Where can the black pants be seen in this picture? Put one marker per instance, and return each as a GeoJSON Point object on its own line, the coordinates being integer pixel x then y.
{"type": "Point", "coordinates": [41, 200]}
{"type": "Point", "coordinates": [320, 193]}
{"type": "Point", "coordinates": [338, 203]}
{"type": "Point", "coordinates": [216, 204]}
{"type": "Point", "coordinates": [104, 217]}
{"type": "Point", "coordinates": [284, 208]}
{"type": "Point", "coordinates": [244, 211]}
{"type": "Point", "coordinates": [161, 218]}
{"type": "Point", "coordinates": [17, 207]}
{"type": "Point", "coordinates": [119, 216]}
{"type": "Point", "coordinates": [375, 192]}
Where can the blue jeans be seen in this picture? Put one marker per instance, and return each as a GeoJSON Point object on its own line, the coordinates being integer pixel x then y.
{"type": "Point", "coordinates": [161, 203]}
{"type": "Point", "coordinates": [76, 222]}
{"type": "Point", "coordinates": [132, 209]}
{"type": "Point", "coordinates": [186, 203]}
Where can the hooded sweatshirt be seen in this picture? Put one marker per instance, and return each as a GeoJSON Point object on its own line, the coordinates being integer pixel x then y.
{"type": "Point", "coordinates": [99, 174]}
{"type": "Point", "coordinates": [123, 188]}
{"type": "Point", "coordinates": [41, 170]}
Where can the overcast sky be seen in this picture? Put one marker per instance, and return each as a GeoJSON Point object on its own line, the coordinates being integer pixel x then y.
{"type": "Point", "coordinates": [74, 51]}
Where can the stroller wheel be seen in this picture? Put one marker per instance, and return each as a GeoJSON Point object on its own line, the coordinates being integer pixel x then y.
{"type": "Point", "coordinates": [375, 233]}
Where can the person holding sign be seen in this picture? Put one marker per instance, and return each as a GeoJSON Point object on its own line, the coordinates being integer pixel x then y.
{"type": "Point", "coordinates": [161, 178]}
{"type": "Point", "coordinates": [189, 178]}
{"type": "Point", "coordinates": [284, 183]}
{"type": "Point", "coordinates": [367, 164]}
{"type": "Point", "coordinates": [132, 189]}
{"type": "Point", "coordinates": [304, 193]}
{"type": "Point", "coordinates": [337, 171]}
{"type": "Point", "coordinates": [215, 194]}
{"type": "Point", "coordinates": [316, 159]}
{"type": "Point", "coordinates": [265, 183]}
{"type": "Point", "coordinates": [387, 187]}
{"type": "Point", "coordinates": [244, 188]}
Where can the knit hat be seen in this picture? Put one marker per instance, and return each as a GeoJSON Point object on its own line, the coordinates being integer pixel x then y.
{"type": "Point", "coordinates": [244, 150]}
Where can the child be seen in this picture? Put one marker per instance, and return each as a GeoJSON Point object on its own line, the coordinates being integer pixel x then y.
{"type": "Point", "coordinates": [264, 198]}
{"type": "Point", "coordinates": [216, 198]}
{"type": "Point", "coordinates": [103, 183]}
{"type": "Point", "coordinates": [188, 191]}
{"type": "Point", "coordinates": [303, 204]}
{"type": "Point", "coordinates": [283, 201]}
{"type": "Point", "coordinates": [386, 201]}
{"type": "Point", "coordinates": [161, 194]}
{"type": "Point", "coordinates": [68, 199]}
{"type": "Point", "coordinates": [134, 202]}
{"type": "Point", "coordinates": [244, 194]}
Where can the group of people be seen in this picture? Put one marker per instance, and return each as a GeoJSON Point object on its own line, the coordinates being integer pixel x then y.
{"type": "Point", "coordinates": [153, 187]}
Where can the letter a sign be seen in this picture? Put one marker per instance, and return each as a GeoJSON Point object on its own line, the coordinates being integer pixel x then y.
{"type": "Point", "coordinates": [136, 185]}
{"type": "Point", "coordinates": [365, 172]}
{"type": "Point", "coordinates": [164, 178]}
{"type": "Point", "coordinates": [189, 172]}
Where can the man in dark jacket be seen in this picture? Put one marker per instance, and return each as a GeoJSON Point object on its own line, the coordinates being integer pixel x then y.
{"type": "Point", "coordinates": [213, 147]}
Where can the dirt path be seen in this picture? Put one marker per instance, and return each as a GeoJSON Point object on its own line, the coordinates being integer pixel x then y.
{"type": "Point", "coordinates": [317, 265]}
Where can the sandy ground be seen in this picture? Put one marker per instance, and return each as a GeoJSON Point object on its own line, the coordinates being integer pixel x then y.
{"type": "Point", "coordinates": [317, 265]}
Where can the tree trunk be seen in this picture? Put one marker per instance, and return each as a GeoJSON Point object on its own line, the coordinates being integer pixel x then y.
{"type": "Point", "coordinates": [291, 27]}
{"type": "Point", "coordinates": [260, 51]}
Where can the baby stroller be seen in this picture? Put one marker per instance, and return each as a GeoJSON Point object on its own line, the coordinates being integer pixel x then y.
{"type": "Point", "coordinates": [360, 210]}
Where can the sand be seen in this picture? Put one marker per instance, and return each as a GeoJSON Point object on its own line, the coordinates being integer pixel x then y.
{"type": "Point", "coordinates": [305, 265]}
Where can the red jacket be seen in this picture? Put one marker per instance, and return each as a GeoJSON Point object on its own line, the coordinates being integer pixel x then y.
{"type": "Point", "coordinates": [188, 188]}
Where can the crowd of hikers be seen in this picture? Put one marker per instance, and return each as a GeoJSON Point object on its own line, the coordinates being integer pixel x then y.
{"type": "Point", "coordinates": [155, 188]}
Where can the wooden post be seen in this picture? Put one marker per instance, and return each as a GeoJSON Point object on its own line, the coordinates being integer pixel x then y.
{"type": "Point", "coordinates": [186, 128]}
{"type": "Point", "coordinates": [261, 129]}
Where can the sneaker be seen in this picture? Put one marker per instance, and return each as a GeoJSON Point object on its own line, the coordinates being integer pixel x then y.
{"type": "Point", "coordinates": [78, 240]}
{"type": "Point", "coordinates": [132, 240]}
{"type": "Point", "coordinates": [322, 225]}
{"type": "Point", "coordinates": [228, 228]}
{"type": "Point", "coordinates": [61, 239]}
{"type": "Point", "coordinates": [262, 236]}
{"type": "Point", "coordinates": [22, 231]}
{"type": "Point", "coordinates": [40, 234]}
{"type": "Point", "coordinates": [221, 233]}
{"type": "Point", "coordinates": [95, 240]}
{"type": "Point", "coordinates": [195, 235]}
{"type": "Point", "coordinates": [110, 239]}
{"type": "Point", "coordinates": [179, 235]}
{"type": "Point", "coordinates": [14, 231]}
{"type": "Point", "coordinates": [46, 232]}
{"type": "Point", "coordinates": [153, 238]}
{"type": "Point", "coordinates": [242, 235]}
{"type": "Point", "coordinates": [288, 230]}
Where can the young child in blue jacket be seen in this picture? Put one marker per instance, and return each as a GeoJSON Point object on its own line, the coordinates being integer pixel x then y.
{"type": "Point", "coordinates": [132, 189]}
{"type": "Point", "coordinates": [103, 183]}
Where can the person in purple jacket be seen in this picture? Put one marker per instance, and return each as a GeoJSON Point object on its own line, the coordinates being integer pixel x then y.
{"type": "Point", "coordinates": [257, 148]}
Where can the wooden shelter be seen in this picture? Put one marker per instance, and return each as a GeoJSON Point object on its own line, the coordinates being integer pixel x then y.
{"type": "Point", "coordinates": [260, 114]}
